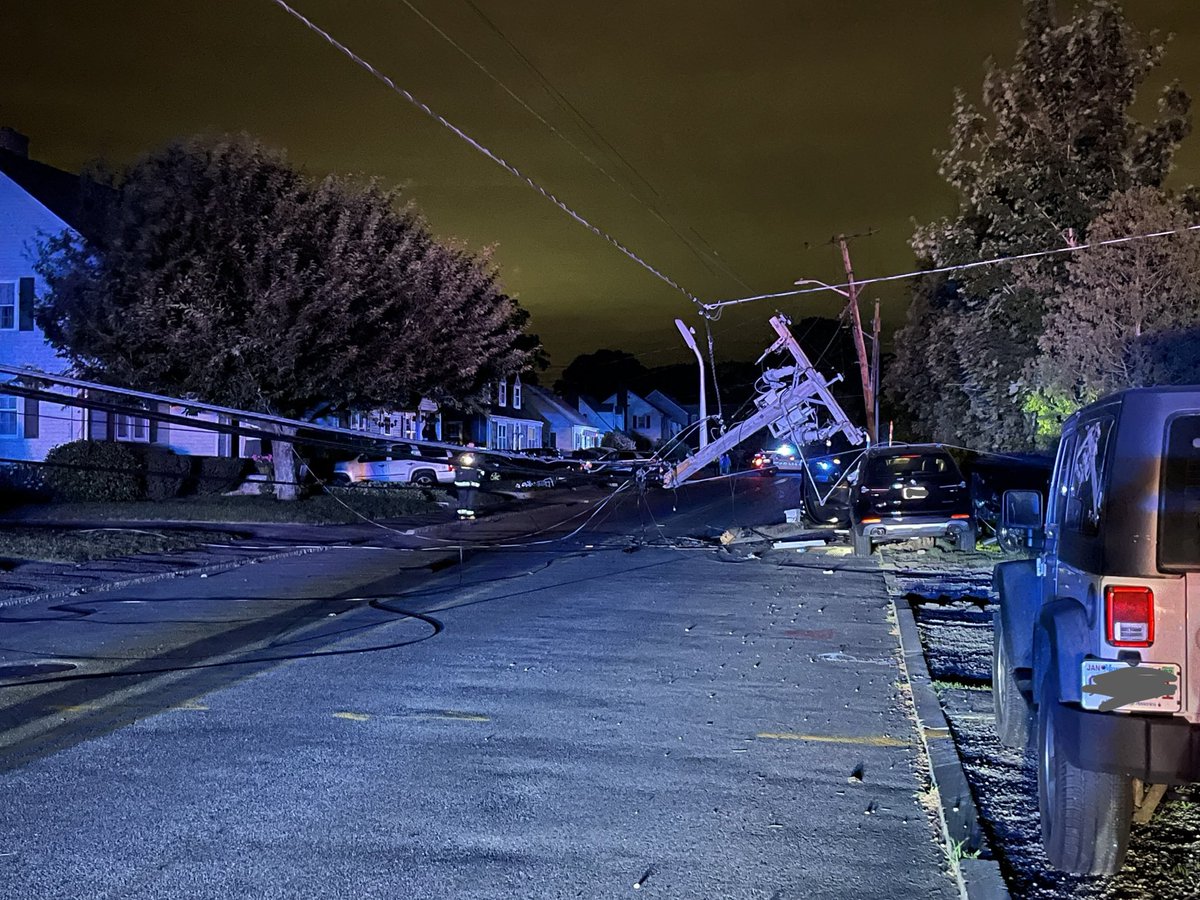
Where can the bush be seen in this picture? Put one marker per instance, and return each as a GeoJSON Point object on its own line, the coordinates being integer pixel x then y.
{"type": "Point", "coordinates": [215, 474]}
{"type": "Point", "coordinates": [101, 471]}
{"type": "Point", "coordinates": [164, 472]}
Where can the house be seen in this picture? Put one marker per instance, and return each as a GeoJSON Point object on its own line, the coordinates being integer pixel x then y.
{"type": "Point", "coordinates": [655, 418]}
{"type": "Point", "coordinates": [564, 428]}
{"type": "Point", "coordinates": [35, 199]}
{"type": "Point", "coordinates": [38, 200]}
{"type": "Point", "coordinates": [421, 424]}
{"type": "Point", "coordinates": [503, 424]}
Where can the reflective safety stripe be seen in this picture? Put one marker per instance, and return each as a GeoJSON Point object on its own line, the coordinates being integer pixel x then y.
{"type": "Point", "coordinates": [473, 484]}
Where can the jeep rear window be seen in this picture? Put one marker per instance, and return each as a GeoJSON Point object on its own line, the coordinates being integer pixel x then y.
{"type": "Point", "coordinates": [1179, 523]}
{"type": "Point", "coordinates": [907, 465]}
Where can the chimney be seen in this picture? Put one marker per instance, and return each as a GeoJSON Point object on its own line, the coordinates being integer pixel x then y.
{"type": "Point", "coordinates": [14, 142]}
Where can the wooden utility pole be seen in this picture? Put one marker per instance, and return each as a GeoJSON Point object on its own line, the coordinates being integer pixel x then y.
{"type": "Point", "coordinates": [875, 375]}
{"type": "Point", "coordinates": [860, 344]}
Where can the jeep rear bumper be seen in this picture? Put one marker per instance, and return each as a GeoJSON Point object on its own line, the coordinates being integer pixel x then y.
{"type": "Point", "coordinates": [1159, 749]}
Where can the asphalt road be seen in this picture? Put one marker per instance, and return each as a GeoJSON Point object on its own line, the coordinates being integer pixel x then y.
{"type": "Point", "coordinates": [619, 713]}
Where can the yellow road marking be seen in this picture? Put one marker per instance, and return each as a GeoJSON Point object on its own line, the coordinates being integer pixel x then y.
{"type": "Point", "coordinates": [197, 707]}
{"type": "Point", "coordinates": [871, 740]}
{"type": "Point", "coordinates": [352, 716]}
{"type": "Point", "coordinates": [462, 716]}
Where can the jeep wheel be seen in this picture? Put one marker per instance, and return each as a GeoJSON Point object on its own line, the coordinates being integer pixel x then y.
{"type": "Point", "coordinates": [423, 478]}
{"type": "Point", "coordinates": [340, 479]}
{"type": "Point", "coordinates": [1012, 710]}
{"type": "Point", "coordinates": [1086, 815]}
{"type": "Point", "coordinates": [862, 543]}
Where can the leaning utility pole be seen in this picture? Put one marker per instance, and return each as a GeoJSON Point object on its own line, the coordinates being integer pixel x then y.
{"type": "Point", "coordinates": [860, 346]}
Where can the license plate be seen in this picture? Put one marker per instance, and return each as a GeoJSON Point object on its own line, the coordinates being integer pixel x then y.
{"type": "Point", "coordinates": [1160, 680]}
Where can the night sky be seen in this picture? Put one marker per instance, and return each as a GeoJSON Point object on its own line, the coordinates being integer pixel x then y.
{"type": "Point", "coordinates": [757, 130]}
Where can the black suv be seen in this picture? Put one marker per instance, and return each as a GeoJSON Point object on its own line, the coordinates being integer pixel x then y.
{"type": "Point", "coordinates": [903, 491]}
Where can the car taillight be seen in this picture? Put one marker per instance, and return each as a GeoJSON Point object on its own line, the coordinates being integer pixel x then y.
{"type": "Point", "coordinates": [871, 520]}
{"type": "Point", "coordinates": [961, 516]}
{"type": "Point", "coordinates": [1129, 614]}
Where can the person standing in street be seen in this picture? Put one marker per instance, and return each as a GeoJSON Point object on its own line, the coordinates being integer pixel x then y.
{"type": "Point", "coordinates": [468, 478]}
{"type": "Point", "coordinates": [726, 465]}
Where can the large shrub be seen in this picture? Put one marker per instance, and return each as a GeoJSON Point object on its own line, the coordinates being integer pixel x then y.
{"type": "Point", "coordinates": [164, 473]}
{"type": "Point", "coordinates": [215, 474]}
{"type": "Point", "coordinates": [102, 471]}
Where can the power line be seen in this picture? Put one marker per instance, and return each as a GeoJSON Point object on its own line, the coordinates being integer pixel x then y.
{"type": "Point", "coordinates": [500, 161]}
{"type": "Point", "coordinates": [721, 304]}
{"type": "Point", "coordinates": [648, 206]}
{"type": "Point", "coordinates": [598, 139]}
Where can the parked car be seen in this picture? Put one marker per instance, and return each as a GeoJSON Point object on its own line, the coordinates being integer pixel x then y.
{"type": "Point", "coordinates": [1100, 634]}
{"type": "Point", "coordinates": [903, 491]}
{"type": "Point", "coordinates": [405, 464]}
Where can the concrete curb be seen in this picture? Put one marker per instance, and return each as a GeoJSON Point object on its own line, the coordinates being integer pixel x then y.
{"type": "Point", "coordinates": [981, 878]}
{"type": "Point", "coordinates": [215, 568]}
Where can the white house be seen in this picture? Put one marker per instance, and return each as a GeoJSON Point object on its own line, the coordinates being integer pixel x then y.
{"type": "Point", "coordinates": [34, 199]}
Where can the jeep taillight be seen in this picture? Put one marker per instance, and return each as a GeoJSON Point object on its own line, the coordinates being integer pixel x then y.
{"type": "Point", "coordinates": [1129, 614]}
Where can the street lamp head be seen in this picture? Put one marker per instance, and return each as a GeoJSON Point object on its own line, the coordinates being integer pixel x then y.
{"type": "Point", "coordinates": [688, 335]}
{"type": "Point", "coordinates": [838, 290]}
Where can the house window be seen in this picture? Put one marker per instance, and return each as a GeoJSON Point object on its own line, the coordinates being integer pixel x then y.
{"type": "Point", "coordinates": [8, 305]}
{"type": "Point", "coordinates": [641, 421]}
{"type": "Point", "coordinates": [501, 431]}
{"type": "Point", "coordinates": [8, 417]}
{"type": "Point", "coordinates": [131, 428]}
{"type": "Point", "coordinates": [517, 394]}
{"type": "Point", "coordinates": [502, 393]}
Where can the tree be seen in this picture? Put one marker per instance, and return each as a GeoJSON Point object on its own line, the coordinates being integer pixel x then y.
{"type": "Point", "coordinates": [214, 269]}
{"type": "Point", "coordinates": [1126, 314]}
{"type": "Point", "coordinates": [599, 375]}
{"type": "Point", "coordinates": [1056, 142]}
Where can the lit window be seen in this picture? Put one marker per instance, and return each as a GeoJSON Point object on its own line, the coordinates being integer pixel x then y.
{"type": "Point", "coordinates": [502, 394]}
{"type": "Point", "coordinates": [8, 416]}
{"type": "Point", "coordinates": [8, 305]}
{"type": "Point", "coordinates": [517, 394]}
{"type": "Point", "coordinates": [131, 428]}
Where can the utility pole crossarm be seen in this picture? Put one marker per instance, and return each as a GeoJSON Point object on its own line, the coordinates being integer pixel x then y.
{"type": "Point", "coordinates": [790, 405]}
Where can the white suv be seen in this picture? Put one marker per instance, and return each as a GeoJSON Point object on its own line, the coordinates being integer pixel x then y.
{"type": "Point", "coordinates": [407, 465]}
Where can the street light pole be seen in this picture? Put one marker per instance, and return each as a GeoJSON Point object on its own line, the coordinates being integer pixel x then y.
{"type": "Point", "coordinates": [689, 338]}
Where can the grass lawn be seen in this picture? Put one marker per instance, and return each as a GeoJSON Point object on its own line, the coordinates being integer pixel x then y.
{"type": "Point", "coordinates": [81, 545]}
{"type": "Point", "coordinates": [336, 508]}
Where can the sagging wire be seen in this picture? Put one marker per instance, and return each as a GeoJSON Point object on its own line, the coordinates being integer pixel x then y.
{"type": "Point", "coordinates": [500, 161]}
{"type": "Point", "coordinates": [941, 270]}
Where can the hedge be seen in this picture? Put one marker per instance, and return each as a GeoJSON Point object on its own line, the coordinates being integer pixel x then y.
{"type": "Point", "coordinates": [102, 471]}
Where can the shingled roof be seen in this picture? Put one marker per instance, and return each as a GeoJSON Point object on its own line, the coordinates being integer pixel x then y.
{"type": "Point", "coordinates": [55, 189]}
